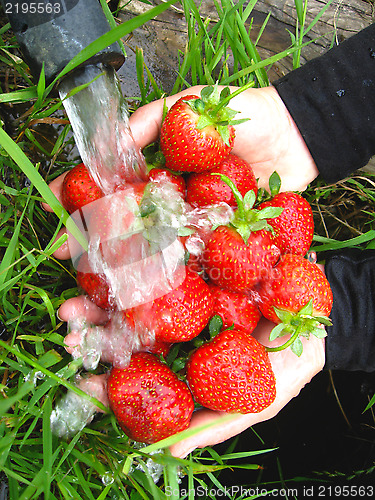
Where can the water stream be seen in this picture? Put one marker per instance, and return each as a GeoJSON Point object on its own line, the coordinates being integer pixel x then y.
{"type": "Point", "coordinates": [137, 249]}
{"type": "Point", "coordinates": [100, 121]}
{"type": "Point", "coordinates": [99, 117]}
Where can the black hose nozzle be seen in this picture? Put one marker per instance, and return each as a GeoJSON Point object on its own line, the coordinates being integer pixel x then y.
{"type": "Point", "coordinates": [54, 31]}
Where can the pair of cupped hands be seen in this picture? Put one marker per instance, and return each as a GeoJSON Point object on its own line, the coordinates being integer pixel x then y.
{"type": "Point", "coordinates": [269, 140]}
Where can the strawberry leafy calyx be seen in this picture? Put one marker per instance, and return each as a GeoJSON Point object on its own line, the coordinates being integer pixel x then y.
{"type": "Point", "coordinates": [212, 109]}
{"type": "Point", "coordinates": [274, 186]}
{"type": "Point", "coordinates": [246, 218]}
{"type": "Point", "coordinates": [300, 324]}
{"type": "Point", "coordinates": [154, 157]}
{"type": "Point", "coordinates": [216, 325]}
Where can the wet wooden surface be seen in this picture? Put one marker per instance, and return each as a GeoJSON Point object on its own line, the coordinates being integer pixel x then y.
{"type": "Point", "coordinates": [164, 37]}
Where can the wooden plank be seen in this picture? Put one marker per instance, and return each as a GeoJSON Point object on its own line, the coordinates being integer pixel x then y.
{"type": "Point", "coordinates": [163, 38]}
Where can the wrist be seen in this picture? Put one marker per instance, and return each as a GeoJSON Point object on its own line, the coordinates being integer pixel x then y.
{"type": "Point", "coordinates": [310, 170]}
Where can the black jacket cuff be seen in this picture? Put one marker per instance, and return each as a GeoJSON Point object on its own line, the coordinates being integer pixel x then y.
{"type": "Point", "coordinates": [350, 341]}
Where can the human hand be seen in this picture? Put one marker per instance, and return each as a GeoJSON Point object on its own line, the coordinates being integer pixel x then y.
{"type": "Point", "coordinates": [292, 373]}
{"type": "Point", "coordinates": [269, 141]}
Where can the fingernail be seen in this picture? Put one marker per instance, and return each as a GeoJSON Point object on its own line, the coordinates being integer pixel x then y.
{"type": "Point", "coordinates": [58, 315]}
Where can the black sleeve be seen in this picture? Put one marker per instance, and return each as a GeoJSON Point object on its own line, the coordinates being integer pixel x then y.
{"type": "Point", "coordinates": [332, 101]}
{"type": "Point", "coordinates": [350, 341]}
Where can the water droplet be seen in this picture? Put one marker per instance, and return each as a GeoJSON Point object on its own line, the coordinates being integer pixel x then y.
{"type": "Point", "coordinates": [34, 376]}
{"type": "Point", "coordinates": [71, 414]}
{"type": "Point", "coordinates": [107, 478]}
{"type": "Point", "coordinates": [154, 469]}
{"type": "Point", "coordinates": [367, 82]}
{"type": "Point", "coordinates": [314, 78]}
{"type": "Point", "coordinates": [372, 52]}
{"type": "Point", "coordinates": [340, 92]}
{"type": "Point", "coordinates": [312, 257]}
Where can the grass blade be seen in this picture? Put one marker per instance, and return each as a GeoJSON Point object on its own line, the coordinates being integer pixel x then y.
{"type": "Point", "coordinates": [10, 251]}
{"type": "Point", "coordinates": [22, 95]}
{"type": "Point", "coordinates": [52, 375]}
{"type": "Point", "coordinates": [330, 244]}
{"type": "Point", "coordinates": [47, 447]}
{"type": "Point", "coordinates": [37, 180]}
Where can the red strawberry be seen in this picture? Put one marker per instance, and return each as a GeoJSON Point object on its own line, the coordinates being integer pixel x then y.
{"type": "Point", "coordinates": [294, 227]}
{"type": "Point", "coordinates": [292, 284]}
{"type": "Point", "coordinates": [240, 255]}
{"type": "Point", "coordinates": [148, 343]}
{"type": "Point", "coordinates": [158, 347]}
{"type": "Point", "coordinates": [206, 189]}
{"type": "Point", "coordinates": [179, 315]}
{"type": "Point", "coordinates": [232, 373]}
{"type": "Point", "coordinates": [197, 133]}
{"type": "Point", "coordinates": [117, 340]}
{"type": "Point", "coordinates": [149, 401]}
{"type": "Point", "coordinates": [115, 214]}
{"type": "Point", "coordinates": [79, 189]}
{"type": "Point", "coordinates": [162, 174]}
{"type": "Point", "coordinates": [239, 265]}
{"type": "Point", "coordinates": [134, 250]}
{"type": "Point", "coordinates": [116, 245]}
{"type": "Point", "coordinates": [235, 309]}
{"type": "Point", "coordinates": [95, 285]}
{"type": "Point", "coordinates": [297, 297]}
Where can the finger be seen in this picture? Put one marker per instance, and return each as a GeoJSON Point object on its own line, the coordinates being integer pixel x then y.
{"type": "Point", "coordinates": [56, 187]}
{"type": "Point", "coordinates": [83, 308]}
{"type": "Point", "coordinates": [96, 386]}
{"type": "Point", "coordinates": [64, 251]}
{"type": "Point", "coordinates": [70, 248]}
{"type": "Point", "coordinates": [145, 123]}
{"type": "Point", "coordinates": [219, 429]}
{"type": "Point", "coordinates": [294, 372]}
{"type": "Point", "coordinates": [72, 343]}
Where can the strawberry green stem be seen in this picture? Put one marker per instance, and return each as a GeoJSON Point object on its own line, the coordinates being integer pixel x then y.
{"type": "Point", "coordinates": [287, 343]}
{"type": "Point", "coordinates": [237, 195]}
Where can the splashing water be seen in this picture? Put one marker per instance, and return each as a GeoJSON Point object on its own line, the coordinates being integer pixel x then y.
{"type": "Point", "coordinates": [117, 246]}
{"type": "Point", "coordinates": [111, 343]}
{"type": "Point", "coordinates": [135, 246]}
{"type": "Point", "coordinates": [108, 478]}
{"type": "Point", "coordinates": [138, 259]}
{"type": "Point", "coordinates": [34, 375]}
{"type": "Point", "coordinates": [71, 414]}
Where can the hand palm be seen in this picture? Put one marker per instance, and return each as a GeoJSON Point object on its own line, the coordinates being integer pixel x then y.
{"type": "Point", "coordinates": [292, 374]}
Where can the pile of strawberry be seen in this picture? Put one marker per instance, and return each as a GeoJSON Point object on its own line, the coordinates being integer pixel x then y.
{"type": "Point", "coordinates": [253, 266]}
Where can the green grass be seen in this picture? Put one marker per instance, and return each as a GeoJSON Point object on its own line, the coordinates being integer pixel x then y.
{"type": "Point", "coordinates": [99, 462]}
